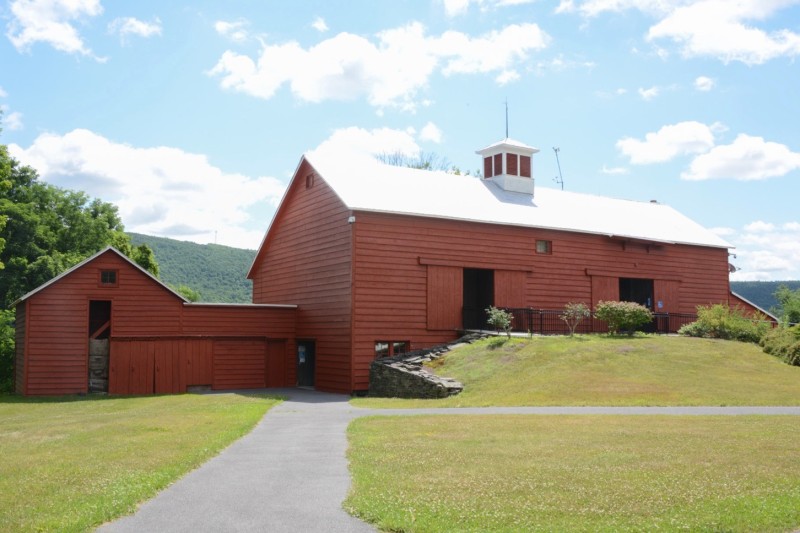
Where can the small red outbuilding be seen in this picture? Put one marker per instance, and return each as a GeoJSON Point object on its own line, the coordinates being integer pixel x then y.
{"type": "Point", "coordinates": [107, 325]}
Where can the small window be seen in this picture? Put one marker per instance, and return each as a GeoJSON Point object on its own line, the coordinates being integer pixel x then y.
{"type": "Point", "coordinates": [108, 278]}
{"type": "Point", "coordinates": [544, 247]}
{"type": "Point", "coordinates": [310, 181]}
{"type": "Point", "coordinates": [391, 348]}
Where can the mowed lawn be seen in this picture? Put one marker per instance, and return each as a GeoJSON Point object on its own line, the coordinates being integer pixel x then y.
{"type": "Point", "coordinates": [73, 463]}
{"type": "Point", "coordinates": [576, 473]}
{"type": "Point", "coordinates": [602, 370]}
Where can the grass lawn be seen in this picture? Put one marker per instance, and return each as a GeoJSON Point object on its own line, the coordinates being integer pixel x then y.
{"type": "Point", "coordinates": [601, 370]}
{"type": "Point", "coordinates": [72, 463]}
{"type": "Point", "coordinates": [576, 473]}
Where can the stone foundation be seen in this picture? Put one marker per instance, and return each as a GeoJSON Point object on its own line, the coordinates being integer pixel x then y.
{"type": "Point", "coordinates": [403, 376]}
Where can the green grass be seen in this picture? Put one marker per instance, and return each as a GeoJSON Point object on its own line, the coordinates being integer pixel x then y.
{"type": "Point", "coordinates": [70, 464]}
{"type": "Point", "coordinates": [601, 370]}
{"type": "Point", "coordinates": [576, 473]}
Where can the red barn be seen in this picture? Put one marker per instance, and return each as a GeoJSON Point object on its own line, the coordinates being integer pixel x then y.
{"type": "Point", "coordinates": [107, 325]}
{"type": "Point", "coordinates": [383, 259]}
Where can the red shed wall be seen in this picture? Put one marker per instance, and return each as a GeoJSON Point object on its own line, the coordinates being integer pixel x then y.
{"type": "Point", "coordinates": [305, 260]}
{"type": "Point", "coordinates": [19, 344]}
{"type": "Point", "coordinates": [398, 260]}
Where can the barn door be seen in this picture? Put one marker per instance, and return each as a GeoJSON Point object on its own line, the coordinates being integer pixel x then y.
{"type": "Point", "coordinates": [99, 333]}
{"type": "Point", "coordinates": [305, 363]}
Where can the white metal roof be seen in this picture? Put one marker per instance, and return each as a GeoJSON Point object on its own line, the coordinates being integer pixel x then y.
{"type": "Point", "coordinates": [364, 184]}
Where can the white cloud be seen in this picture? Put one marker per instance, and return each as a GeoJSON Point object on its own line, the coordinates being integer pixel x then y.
{"type": "Point", "coordinates": [235, 30]}
{"type": "Point", "coordinates": [319, 24]}
{"type": "Point", "coordinates": [506, 77]}
{"type": "Point", "coordinates": [721, 29]}
{"type": "Point", "coordinates": [456, 7]}
{"type": "Point", "coordinates": [51, 22]}
{"type": "Point", "coordinates": [649, 94]}
{"type": "Point", "coordinates": [431, 132]}
{"type": "Point", "coordinates": [388, 71]}
{"type": "Point", "coordinates": [614, 171]}
{"type": "Point", "coordinates": [704, 83]}
{"type": "Point", "coordinates": [3, 94]}
{"type": "Point", "coordinates": [767, 251]}
{"type": "Point", "coordinates": [159, 191]}
{"type": "Point", "coordinates": [669, 142]}
{"type": "Point", "coordinates": [12, 121]}
{"type": "Point", "coordinates": [759, 226]}
{"type": "Point", "coordinates": [346, 143]}
{"type": "Point", "coordinates": [127, 26]}
{"type": "Point", "coordinates": [747, 158]}
{"type": "Point", "coordinates": [723, 231]}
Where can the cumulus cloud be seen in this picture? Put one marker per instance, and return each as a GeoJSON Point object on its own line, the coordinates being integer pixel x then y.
{"type": "Point", "coordinates": [159, 191]}
{"type": "Point", "coordinates": [720, 29]}
{"type": "Point", "coordinates": [319, 24]}
{"type": "Point", "coordinates": [431, 132]}
{"type": "Point", "coordinates": [129, 26]}
{"type": "Point", "coordinates": [747, 158]}
{"type": "Point", "coordinates": [346, 143]}
{"type": "Point", "coordinates": [649, 94]}
{"type": "Point", "coordinates": [235, 30]}
{"type": "Point", "coordinates": [11, 121]}
{"type": "Point", "coordinates": [389, 70]}
{"type": "Point", "coordinates": [704, 83]}
{"type": "Point", "coordinates": [457, 7]}
{"type": "Point", "coordinates": [670, 141]}
{"type": "Point", "coordinates": [767, 251]}
{"type": "Point", "coordinates": [51, 22]}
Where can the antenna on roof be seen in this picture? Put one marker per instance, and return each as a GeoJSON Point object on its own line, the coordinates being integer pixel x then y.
{"type": "Point", "coordinates": [506, 118]}
{"type": "Point", "coordinates": [558, 179]}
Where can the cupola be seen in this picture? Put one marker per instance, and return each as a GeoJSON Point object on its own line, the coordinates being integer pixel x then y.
{"type": "Point", "coordinates": [508, 164]}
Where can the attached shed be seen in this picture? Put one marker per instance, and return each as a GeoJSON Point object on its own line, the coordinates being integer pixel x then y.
{"type": "Point", "coordinates": [385, 259]}
{"type": "Point", "coordinates": [107, 325]}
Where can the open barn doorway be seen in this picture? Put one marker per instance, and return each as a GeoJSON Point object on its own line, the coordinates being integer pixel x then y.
{"type": "Point", "coordinates": [99, 333]}
{"type": "Point", "coordinates": [636, 290]}
{"type": "Point", "coordinates": [478, 295]}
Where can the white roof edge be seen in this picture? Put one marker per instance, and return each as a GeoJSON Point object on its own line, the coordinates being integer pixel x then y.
{"type": "Point", "coordinates": [222, 304]}
{"type": "Point", "coordinates": [89, 260]}
{"type": "Point", "coordinates": [745, 300]}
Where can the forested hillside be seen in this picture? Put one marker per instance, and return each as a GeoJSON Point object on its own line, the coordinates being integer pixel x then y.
{"type": "Point", "coordinates": [217, 272]}
{"type": "Point", "coordinates": [762, 293]}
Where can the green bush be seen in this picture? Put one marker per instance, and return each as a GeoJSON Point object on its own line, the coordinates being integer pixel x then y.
{"type": "Point", "coordinates": [7, 352]}
{"type": "Point", "coordinates": [784, 343]}
{"type": "Point", "coordinates": [499, 319]}
{"type": "Point", "coordinates": [719, 321]}
{"type": "Point", "coordinates": [623, 316]}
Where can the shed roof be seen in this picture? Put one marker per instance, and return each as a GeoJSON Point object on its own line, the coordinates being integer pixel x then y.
{"type": "Point", "coordinates": [364, 184]}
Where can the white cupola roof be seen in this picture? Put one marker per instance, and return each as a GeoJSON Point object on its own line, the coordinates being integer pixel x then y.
{"type": "Point", "coordinates": [508, 164]}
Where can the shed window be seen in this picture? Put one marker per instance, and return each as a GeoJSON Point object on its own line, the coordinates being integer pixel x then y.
{"type": "Point", "coordinates": [310, 180]}
{"type": "Point", "coordinates": [391, 348]}
{"type": "Point", "coordinates": [544, 247]}
{"type": "Point", "coordinates": [108, 278]}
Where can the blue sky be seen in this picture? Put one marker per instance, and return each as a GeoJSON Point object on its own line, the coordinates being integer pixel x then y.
{"type": "Point", "coordinates": [192, 116]}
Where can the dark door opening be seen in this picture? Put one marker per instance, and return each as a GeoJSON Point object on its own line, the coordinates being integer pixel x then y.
{"type": "Point", "coordinates": [636, 290]}
{"type": "Point", "coordinates": [99, 333]}
{"type": "Point", "coordinates": [478, 295]}
{"type": "Point", "coordinates": [305, 363]}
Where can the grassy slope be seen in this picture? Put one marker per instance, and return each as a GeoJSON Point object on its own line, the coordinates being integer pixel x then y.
{"type": "Point", "coordinates": [70, 464]}
{"type": "Point", "coordinates": [598, 370]}
{"type": "Point", "coordinates": [576, 473]}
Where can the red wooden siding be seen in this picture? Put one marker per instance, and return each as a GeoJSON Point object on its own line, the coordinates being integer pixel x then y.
{"type": "Point", "coordinates": [394, 254]}
{"type": "Point", "coordinates": [668, 293]}
{"type": "Point", "coordinates": [277, 363]}
{"type": "Point", "coordinates": [239, 364]}
{"type": "Point", "coordinates": [511, 164]}
{"type": "Point", "coordinates": [509, 288]}
{"type": "Point", "coordinates": [445, 289]}
{"type": "Point", "coordinates": [736, 301]}
{"type": "Point", "coordinates": [19, 343]}
{"type": "Point", "coordinates": [306, 260]}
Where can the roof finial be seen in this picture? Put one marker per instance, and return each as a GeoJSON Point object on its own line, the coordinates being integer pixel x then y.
{"type": "Point", "coordinates": [506, 118]}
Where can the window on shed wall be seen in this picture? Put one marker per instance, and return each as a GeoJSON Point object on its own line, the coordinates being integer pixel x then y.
{"type": "Point", "coordinates": [525, 166]}
{"type": "Point", "coordinates": [109, 278]}
{"type": "Point", "coordinates": [544, 247]}
{"type": "Point", "coordinates": [391, 348]}
{"type": "Point", "coordinates": [310, 180]}
{"type": "Point", "coordinates": [511, 164]}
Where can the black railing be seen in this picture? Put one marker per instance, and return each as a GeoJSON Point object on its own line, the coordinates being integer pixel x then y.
{"type": "Point", "coordinates": [548, 321]}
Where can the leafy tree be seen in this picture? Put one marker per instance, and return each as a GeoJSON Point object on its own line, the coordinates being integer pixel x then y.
{"type": "Point", "coordinates": [6, 350]}
{"type": "Point", "coordinates": [187, 292]}
{"type": "Point", "coordinates": [573, 315]}
{"type": "Point", "coordinates": [788, 304]}
{"type": "Point", "coordinates": [623, 316]}
{"type": "Point", "coordinates": [499, 319]}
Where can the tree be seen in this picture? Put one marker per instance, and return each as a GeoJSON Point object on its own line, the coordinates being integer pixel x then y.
{"type": "Point", "coordinates": [499, 319]}
{"type": "Point", "coordinates": [573, 314]}
{"type": "Point", "coordinates": [187, 292]}
{"type": "Point", "coordinates": [788, 304]}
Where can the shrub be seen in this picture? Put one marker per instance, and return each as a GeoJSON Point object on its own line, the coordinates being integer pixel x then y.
{"type": "Point", "coordinates": [719, 321]}
{"type": "Point", "coordinates": [573, 314]}
{"type": "Point", "coordinates": [500, 319]}
{"type": "Point", "coordinates": [623, 316]}
{"type": "Point", "coordinates": [784, 343]}
{"type": "Point", "coordinates": [7, 352]}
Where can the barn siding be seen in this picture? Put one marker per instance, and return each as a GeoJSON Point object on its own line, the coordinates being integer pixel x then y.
{"type": "Point", "coordinates": [305, 260]}
{"type": "Point", "coordinates": [444, 297]}
{"type": "Point", "coordinates": [393, 255]}
{"type": "Point", "coordinates": [19, 343]}
{"type": "Point", "coordinates": [239, 364]}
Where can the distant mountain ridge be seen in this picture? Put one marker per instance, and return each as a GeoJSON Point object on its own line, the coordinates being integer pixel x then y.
{"type": "Point", "coordinates": [218, 273]}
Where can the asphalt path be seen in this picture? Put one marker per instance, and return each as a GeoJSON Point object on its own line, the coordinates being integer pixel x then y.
{"type": "Point", "coordinates": [290, 473]}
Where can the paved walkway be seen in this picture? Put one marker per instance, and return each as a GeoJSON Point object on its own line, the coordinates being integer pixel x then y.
{"type": "Point", "coordinates": [290, 473]}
